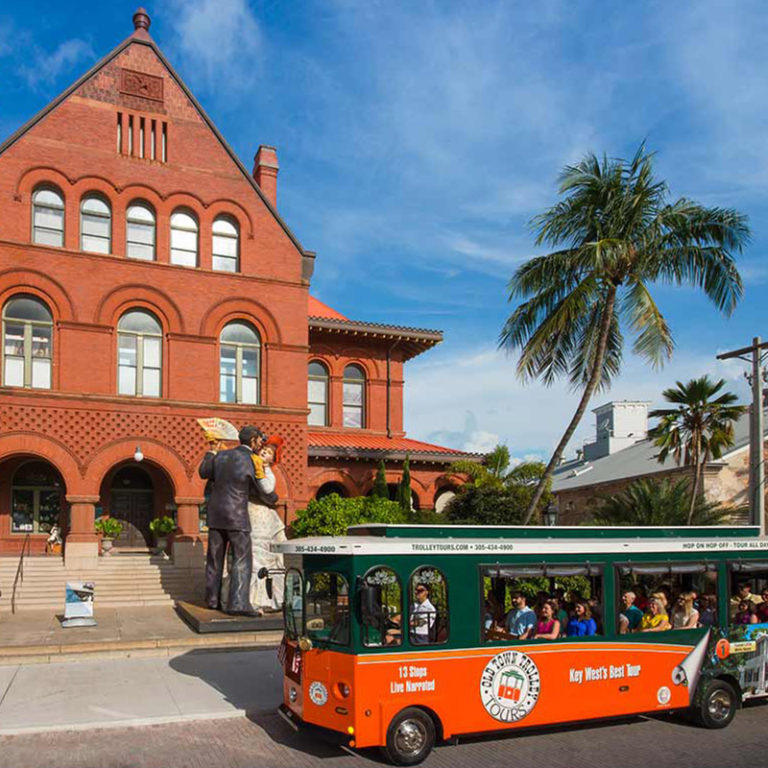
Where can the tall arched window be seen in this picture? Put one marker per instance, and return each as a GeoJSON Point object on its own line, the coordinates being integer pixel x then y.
{"type": "Point", "coordinates": [139, 355]}
{"type": "Point", "coordinates": [27, 343]}
{"type": "Point", "coordinates": [384, 624]}
{"type": "Point", "coordinates": [239, 363]}
{"type": "Point", "coordinates": [184, 232]}
{"type": "Point", "coordinates": [47, 217]}
{"type": "Point", "coordinates": [428, 607]}
{"type": "Point", "coordinates": [317, 395]}
{"type": "Point", "coordinates": [226, 245]}
{"type": "Point", "coordinates": [354, 397]}
{"type": "Point", "coordinates": [95, 225]}
{"type": "Point", "coordinates": [140, 232]}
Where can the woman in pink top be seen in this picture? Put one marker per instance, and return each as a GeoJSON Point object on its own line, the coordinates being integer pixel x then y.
{"type": "Point", "coordinates": [547, 627]}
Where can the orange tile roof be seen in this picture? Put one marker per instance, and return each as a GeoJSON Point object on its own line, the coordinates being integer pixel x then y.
{"type": "Point", "coordinates": [376, 443]}
{"type": "Point", "coordinates": [318, 309]}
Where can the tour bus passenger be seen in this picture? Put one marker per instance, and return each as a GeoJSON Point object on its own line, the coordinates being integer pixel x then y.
{"type": "Point", "coordinates": [521, 620]}
{"type": "Point", "coordinates": [743, 592]}
{"type": "Point", "coordinates": [684, 615]}
{"type": "Point", "coordinates": [547, 627]}
{"type": "Point", "coordinates": [560, 613]}
{"type": "Point", "coordinates": [631, 615]}
{"type": "Point", "coordinates": [745, 613]}
{"type": "Point", "coordinates": [762, 608]}
{"type": "Point", "coordinates": [581, 623]}
{"type": "Point", "coordinates": [662, 597]}
{"type": "Point", "coordinates": [655, 618]}
{"type": "Point", "coordinates": [423, 615]}
{"type": "Point", "coordinates": [708, 611]}
{"type": "Point", "coordinates": [496, 610]}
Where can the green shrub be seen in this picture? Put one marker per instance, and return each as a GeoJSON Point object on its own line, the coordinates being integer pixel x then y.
{"type": "Point", "coordinates": [108, 527]}
{"type": "Point", "coordinates": [332, 515]}
{"type": "Point", "coordinates": [162, 526]}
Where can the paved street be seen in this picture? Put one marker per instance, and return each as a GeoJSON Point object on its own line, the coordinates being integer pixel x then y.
{"type": "Point", "coordinates": [264, 741]}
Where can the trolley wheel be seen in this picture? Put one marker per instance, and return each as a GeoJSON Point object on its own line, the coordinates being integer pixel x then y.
{"type": "Point", "coordinates": [410, 737]}
{"type": "Point", "coordinates": [718, 705]}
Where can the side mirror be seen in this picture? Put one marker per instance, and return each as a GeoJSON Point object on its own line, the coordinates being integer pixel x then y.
{"type": "Point", "coordinates": [268, 585]}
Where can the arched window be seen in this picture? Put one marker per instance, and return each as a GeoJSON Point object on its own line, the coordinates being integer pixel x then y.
{"type": "Point", "coordinates": [382, 608]}
{"type": "Point", "coordinates": [140, 232]}
{"type": "Point", "coordinates": [47, 217]}
{"type": "Point", "coordinates": [27, 343]}
{"type": "Point", "coordinates": [139, 355]}
{"type": "Point", "coordinates": [95, 225]}
{"type": "Point", "coordinates": [226, 245]}
{"type": "Point", "coordinates": [239, 363]}
{"type": "Point", "coordinates": [317, 395]}
{"type": "Point", "coordinates": [183, 239]}
{"type": "Point", "coordinates": [428, 607]}
{"type": "Point", "coordinates": [354, 397]}
{"type": "Point", "coordinates": [36, 498]}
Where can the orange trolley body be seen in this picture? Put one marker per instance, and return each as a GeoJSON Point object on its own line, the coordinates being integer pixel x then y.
{"type": "Point", "coordinates": [356, 670]}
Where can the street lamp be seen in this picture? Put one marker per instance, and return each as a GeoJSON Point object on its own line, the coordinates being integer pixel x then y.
{"type": "Point", "coordinates": [550, 514]}
{"type": "Point", "coordinates": [138, 455]}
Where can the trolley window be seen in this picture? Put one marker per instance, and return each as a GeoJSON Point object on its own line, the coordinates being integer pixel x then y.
{"type": "Point", "coordinates": [327, 608]}
{"type": "Point", "coordinates": [428, 614]}
{"type": "Point", "coordinates": [381, 608]}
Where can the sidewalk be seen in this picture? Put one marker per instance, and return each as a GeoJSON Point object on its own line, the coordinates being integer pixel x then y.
{"type": "Point", "coordinates": [112, 693]}
{"type": "Point", "coordinates": [37, 637]}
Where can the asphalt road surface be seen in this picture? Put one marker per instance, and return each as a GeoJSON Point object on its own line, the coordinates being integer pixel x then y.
{"type": "Point", "coordinates": [265, 741]}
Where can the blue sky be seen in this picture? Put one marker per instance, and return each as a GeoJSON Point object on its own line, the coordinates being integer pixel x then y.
{"type": "Point", "coordinates": [417, 139]}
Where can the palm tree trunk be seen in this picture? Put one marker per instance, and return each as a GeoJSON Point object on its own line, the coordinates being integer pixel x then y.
{"type": "Point", "coordinates": [605, 327]}
{"type": "Point", "coordinates": [697, 472]}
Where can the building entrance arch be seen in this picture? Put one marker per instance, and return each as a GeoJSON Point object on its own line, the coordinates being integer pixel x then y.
{"type": "Point", "coordinates": [132, 502]}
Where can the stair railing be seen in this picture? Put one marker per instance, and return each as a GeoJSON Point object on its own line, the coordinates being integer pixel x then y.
{"type": "Point", "coordinates": [20, 571]}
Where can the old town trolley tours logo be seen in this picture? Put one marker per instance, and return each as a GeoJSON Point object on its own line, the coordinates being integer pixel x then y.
{"type": "Point", "coordinates": [509, 686]}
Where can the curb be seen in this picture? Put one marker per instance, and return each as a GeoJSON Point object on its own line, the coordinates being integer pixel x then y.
{"type": "Point", "coordinates": [51, 654]}
{"type": "Point", "coordinates": [135, 722]}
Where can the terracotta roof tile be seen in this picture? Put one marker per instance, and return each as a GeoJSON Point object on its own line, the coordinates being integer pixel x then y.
{"type": "Point", "coordinates": [376, 443]}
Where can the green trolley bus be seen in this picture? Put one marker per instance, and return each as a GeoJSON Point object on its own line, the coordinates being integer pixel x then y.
{"type": "Point", "coordinates": [400, 636]}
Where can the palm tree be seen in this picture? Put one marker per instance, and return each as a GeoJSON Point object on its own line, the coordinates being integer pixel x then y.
{"type": "Point", "coordinates": [495, 473]}
{"type": "Point", "coordinates": [654, 502]}
{"type": "Point", "coordinates": [698, 428]}
{"type": "Point", "coordinates": [616, 234]}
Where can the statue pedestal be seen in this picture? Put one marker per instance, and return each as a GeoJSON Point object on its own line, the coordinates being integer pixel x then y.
{"type": "Point", "coordinates": [204, 620]}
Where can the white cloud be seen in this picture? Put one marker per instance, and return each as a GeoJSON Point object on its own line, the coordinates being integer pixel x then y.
{"type": "Point", "coordinates": [218, 42]}
{"type": "Point", "coordinates": [478, 401]}
{"type": "Point", "coordinates": [47, 67]}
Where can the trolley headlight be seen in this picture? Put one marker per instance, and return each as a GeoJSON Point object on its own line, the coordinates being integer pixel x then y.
{"type": "Point", "coordinates": [293, 695]}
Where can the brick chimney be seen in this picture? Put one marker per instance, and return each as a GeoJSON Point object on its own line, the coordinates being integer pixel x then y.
{"type": "Point", "coordinates": [265, 169]}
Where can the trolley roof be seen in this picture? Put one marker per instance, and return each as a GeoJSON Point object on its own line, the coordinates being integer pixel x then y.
{"type": "Point", "coordinates": [531, 540]}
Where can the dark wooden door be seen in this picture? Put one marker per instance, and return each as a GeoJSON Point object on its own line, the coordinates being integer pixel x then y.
{"type": "Point", "coordinates": [134, 509]}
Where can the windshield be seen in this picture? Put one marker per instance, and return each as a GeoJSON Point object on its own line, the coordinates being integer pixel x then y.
{"type": "Point", "coordinates": [293, 607]}
{"type": "Point", "coordinates": [327, 608]}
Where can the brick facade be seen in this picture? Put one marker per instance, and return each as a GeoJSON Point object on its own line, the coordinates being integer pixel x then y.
{"type": "Point", "coordinates": [80, 425]}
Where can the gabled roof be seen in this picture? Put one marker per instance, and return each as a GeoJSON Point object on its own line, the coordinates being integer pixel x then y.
{"type": "Point", "coordinates": [635, 461]}
{"type": "Point", "coordinates": [142, 37]}
{"type": "Point", "coordinates": [356, 446]}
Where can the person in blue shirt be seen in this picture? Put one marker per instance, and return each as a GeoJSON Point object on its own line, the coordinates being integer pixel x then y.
{"type": "Point", "coordinates": [521, 620]}
{"type": "Point", "coordinates": [581, 624]}
{"type": "Point", "coordinates": [630, 616]}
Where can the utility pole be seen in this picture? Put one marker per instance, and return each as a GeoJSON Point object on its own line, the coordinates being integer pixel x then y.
{"type": "Point", "coordinates": [755, 355]}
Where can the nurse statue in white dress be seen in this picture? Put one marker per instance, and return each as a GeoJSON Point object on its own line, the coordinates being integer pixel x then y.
{"type": "Point", "coordinates": [266, 528]}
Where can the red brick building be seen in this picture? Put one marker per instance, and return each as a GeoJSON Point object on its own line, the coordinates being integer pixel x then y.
{"type": "Point", "coordinates": [147, 279]}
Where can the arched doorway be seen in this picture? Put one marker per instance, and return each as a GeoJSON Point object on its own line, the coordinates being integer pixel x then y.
{"type": "Point", "coordinates": [132, 502]}
{"type": "Point", "coordinates": [37, 498]}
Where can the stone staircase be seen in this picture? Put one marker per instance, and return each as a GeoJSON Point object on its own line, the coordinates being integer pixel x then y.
{"type": "Point", "coordinates": [121, 580]}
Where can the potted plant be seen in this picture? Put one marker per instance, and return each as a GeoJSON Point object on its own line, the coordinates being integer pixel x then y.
{"type": "Point", "coordinates": [161, 527]}
{"type": "Point", "coordinates": [110, 529]}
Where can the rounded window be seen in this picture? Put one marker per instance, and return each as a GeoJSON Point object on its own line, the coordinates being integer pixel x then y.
{"type": "Point", "coordinates": [239, 363]}
{"type": "Point", "coordinates": [48, 217]}
{"type": "Point", "coordinates": [381, 608]}
{"type": "Point", "coordinates": [27, 343]}
{"type": "Point", "coordinates": [184, 239]}
{"type": "Point", "coordinates": [140, 232]}
{"type": "Point", "coordinates": [317, 394]}
{"type": "Point", "coordinates": [95, 225]}
{"type": "Point", "coordinates": [139, 354]}
{"type": "Point", "coordinates": [226, 245]}
{"type": "Point", "coordinates": [354, 397]}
